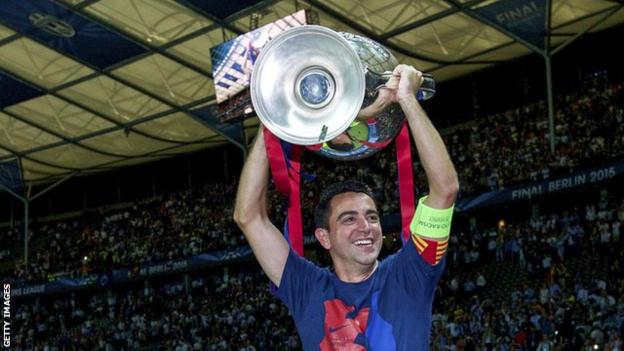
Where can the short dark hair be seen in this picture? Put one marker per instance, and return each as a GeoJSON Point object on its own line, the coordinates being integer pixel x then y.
{"type": "Point", "coordinates": [323, 208]}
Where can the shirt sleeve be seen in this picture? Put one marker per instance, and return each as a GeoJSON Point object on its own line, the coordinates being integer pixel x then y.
{"type": "Point", "coordinates": [299, 279]}
{"type": "Point", "coordinates": [431, 251]}
{"type": "Point", "coordinates": [413, 272]}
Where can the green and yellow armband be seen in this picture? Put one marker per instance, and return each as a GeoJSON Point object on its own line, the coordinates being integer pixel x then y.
{"type": "Point", "coordinates": [431, 222]}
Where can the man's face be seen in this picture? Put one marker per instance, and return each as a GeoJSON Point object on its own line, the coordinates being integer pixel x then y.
{"type": "Point", "coordinates": [354, 230]}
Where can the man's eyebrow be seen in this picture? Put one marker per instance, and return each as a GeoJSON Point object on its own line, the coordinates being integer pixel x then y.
{"type": "Point", "coordinates": [345, 213]}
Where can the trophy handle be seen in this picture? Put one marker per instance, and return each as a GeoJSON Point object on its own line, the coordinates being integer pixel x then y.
{"type": "Point", "coordinates": [426, 91]}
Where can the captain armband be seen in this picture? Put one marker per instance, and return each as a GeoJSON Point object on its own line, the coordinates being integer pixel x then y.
{"type": "Point", "coordinates": [431, 222]}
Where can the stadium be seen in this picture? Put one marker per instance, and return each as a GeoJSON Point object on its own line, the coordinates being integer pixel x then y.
{"type": "Point", "coordinates": [125, 126]}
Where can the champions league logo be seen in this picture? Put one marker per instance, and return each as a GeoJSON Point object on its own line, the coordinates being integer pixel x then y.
{"type": "Point", "coordinates": [51, 25]}
{"type": "Point", "coordinates": [518, 14]}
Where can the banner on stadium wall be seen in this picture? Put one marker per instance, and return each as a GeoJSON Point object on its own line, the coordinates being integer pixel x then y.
{"type": "Point", "coordinates": [529, 191]}
{"type": "Point", "coordinates": [186, 264]}
{"type": "Point", "coordinates": [63, 283]}
{"type": "Point", "coordinates": [11, 176]}
{"type": "Point", "coordinates": [60, 285]}
{"type": "Point", "coordinates": [123, 275]}
{"type": "Point", "coordinates": [525, 19]}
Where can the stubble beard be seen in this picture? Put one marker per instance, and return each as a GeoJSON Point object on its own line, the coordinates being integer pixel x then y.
{"type": "Point", "coordinates": [367, 258]}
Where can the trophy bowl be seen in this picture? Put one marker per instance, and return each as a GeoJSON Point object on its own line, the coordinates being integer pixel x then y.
{"type": "Point", "coordinates": [311, 85]}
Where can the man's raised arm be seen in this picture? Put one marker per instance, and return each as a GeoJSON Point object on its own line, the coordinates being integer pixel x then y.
{"type": "Point", "coordinates": [440, 172]}
{"type": "Point", "coordinates": [251, 215]}
{"type": "Point", "coordinates": [431, 223]}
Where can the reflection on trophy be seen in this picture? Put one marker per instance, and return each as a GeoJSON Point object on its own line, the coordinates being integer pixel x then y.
{"type": "Point", "coordinates": [312, 86]}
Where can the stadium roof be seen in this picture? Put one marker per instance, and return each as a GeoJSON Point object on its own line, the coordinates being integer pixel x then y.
{"type": "Point", "coordinates": [97, 84]}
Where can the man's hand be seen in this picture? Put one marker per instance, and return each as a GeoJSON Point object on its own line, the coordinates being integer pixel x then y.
{"type": "Point", "coordinates": [384, 98]}
{"type": "Point", "coordinates": [403, 84]}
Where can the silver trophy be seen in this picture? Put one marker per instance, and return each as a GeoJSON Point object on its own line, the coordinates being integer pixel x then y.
{"type": "Point", "coordinates": [310, 85]}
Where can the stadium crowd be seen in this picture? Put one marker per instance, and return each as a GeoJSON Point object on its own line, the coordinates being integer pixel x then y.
{"type": "Point", "coordinates": [554, 309]}
{"type": "Point", "coordinates": [558, 305]}
{"type": "Point", "coordinates": [164, 316]}
{"type": "Point", "coordinates": [181, 225]}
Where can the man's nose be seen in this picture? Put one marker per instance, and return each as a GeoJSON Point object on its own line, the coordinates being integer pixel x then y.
{"type": "Point", "coordinates": [363, 224]}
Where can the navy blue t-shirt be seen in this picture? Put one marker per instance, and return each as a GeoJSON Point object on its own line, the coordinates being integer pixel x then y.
{"type": "Point", "coordinates": [391, 310]}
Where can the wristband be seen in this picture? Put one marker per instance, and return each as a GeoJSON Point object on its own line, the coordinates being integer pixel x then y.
{"type": "Point", "coordinates": [431, 222]}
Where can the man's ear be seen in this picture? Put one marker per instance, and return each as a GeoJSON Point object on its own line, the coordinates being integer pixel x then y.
{"type": "Point", "coordinates": [322, 235]}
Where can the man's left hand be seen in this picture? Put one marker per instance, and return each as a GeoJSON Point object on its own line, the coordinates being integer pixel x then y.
{"type": "Point", "coordinates": [403, 84]}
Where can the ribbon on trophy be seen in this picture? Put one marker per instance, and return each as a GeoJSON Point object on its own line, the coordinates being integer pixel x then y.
{"type": "Point", "coordinates": [406, 180]}
{"type": "Point", "coordinates": [285, 163]}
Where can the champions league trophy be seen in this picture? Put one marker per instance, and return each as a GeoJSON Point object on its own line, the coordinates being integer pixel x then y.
{"type": "Point", "coordinates": [310, 87]}
{"type": "Point", "coordinates": [310, 83]}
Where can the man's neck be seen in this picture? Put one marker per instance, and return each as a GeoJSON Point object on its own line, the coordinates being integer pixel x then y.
{"type": "Point", "coordinates": [354, 275]}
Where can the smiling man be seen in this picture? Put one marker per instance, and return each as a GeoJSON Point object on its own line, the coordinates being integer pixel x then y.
{"type": "Point", "coordinates": [364, 304]}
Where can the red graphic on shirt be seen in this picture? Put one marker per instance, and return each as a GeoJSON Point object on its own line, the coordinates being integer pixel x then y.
{"type": "Point", "coordinates": [342, 326]}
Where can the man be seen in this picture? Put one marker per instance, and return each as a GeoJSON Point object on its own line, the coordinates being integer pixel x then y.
{"type": "Point", "coordinates": [365, 304]}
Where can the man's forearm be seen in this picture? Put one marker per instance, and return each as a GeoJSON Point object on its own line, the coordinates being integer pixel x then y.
{"type": "Point", "coordinates": [251, 197]}
{"type": "Point", "coordinates": [441, 174]}
{"type": "Point", "coordinates": [251, 215]}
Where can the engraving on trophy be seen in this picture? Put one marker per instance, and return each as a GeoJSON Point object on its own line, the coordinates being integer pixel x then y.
{"type": "Point", "coordinates": [315, 87]}
{"type": "Point", "coordinates": [323, 132]}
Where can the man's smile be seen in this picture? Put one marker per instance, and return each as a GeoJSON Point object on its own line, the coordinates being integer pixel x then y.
{"type": "Point", "coordinates": [363, 242]}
